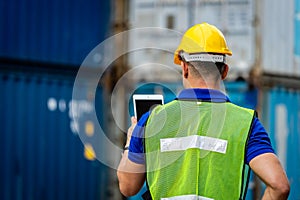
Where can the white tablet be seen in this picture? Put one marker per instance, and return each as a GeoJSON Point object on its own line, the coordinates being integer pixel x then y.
{"type": "Point", "coordinates": [142, 103]}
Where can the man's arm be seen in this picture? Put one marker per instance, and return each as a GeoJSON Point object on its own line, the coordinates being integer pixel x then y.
{"type": "Point", "coordinates": [131, 175]}
{"type": "Point", "coordinates": [268, 168]}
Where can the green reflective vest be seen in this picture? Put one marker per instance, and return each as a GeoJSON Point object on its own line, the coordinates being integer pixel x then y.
{"type": "Point", "coordinates": [196, 150]}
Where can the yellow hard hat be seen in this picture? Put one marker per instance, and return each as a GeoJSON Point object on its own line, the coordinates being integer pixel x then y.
{"type": "Point", "coordinates": [202, 38]}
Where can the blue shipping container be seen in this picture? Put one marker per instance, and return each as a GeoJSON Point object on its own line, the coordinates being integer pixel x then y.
{"type": "Point", "coordinates": [281, 115]}
{"type": "Point", "coordinates": [242, 94]}
{"type": "Point", "coordinates": [52, 31]}
{"type": "Point", "coordinates": [41, 154]}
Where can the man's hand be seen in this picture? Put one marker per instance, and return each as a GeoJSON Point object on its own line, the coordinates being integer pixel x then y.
{"type": "Point", "coordinates": [131, 175]}
{"type": "Point", "coordinates": [130, 130]}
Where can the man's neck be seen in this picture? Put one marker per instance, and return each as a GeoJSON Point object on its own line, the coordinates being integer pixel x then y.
{"type": "Point", "coordinates": [203, 85]}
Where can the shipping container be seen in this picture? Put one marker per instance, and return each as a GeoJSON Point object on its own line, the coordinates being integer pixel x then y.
{"type": "Point", "coordinates": [42, 156]}
{"type": "Point", "coordinates": [277, 37]}
{"type": "Point", "coordinates": [235, 20]}
{"type": "Point", "coordinates": [281, 117]}
{"type": "Point", "coordinates": [173, 18]}
{"type": "Point", "coordinates": [297, 36]}
{"type": "Point", "coordinates": [52, 31]}
{"type": "Point", "coordinates": [297, 5]}
{"type": "Point", "coordinates": [241, 93]}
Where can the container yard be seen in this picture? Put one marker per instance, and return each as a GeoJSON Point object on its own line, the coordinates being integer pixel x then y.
{"type": "Point", "coordinates": [63, 133]}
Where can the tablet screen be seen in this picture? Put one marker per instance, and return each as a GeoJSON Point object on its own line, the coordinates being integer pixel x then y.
{"type": "Point", "coordinates": [144, 103]}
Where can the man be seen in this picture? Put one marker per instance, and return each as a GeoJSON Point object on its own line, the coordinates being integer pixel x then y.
{"type": "Point", "coordinates": [200, 145]}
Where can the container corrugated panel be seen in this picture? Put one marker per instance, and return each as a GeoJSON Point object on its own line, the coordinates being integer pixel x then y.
{"type": "Point", "coordinates": [297, 34]}
{"type": "Point", "coordinates": [242, 94]}
{"type": "Point", "coordinates": [52, 31]}
{"type": "Point", "coordinates": [42, 157]}
{"type": "Point", "coordinates": [277, 37]}
{"type": "Point", "coordinates": [281, 115]}
{"type": "Point", "coordinates": [297, 6]}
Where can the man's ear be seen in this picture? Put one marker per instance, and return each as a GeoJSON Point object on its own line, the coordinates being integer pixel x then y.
{"type": "Point", "coordinates": [225, 71]}
{"type": "Point", "coordinates": [185, 69]}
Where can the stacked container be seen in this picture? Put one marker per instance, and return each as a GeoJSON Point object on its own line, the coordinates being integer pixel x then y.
{"type": "Point", "coordinates": [52, 31]}
{"type": "Point", "coordinates": [42, 155]}
{"type": "Point", "coordinates": [280, 86]}
{"type": "Point", "coordinates": [42, 44]}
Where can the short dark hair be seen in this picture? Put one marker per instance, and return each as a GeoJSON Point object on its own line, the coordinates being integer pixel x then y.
{"type": "Point", "coordinates": [207, 69]}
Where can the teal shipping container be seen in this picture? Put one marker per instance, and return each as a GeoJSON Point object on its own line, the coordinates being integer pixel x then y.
{"type": "Point", "coordinates": [281, 116]}
{"type": "Point", "coordinates": [41, 154]}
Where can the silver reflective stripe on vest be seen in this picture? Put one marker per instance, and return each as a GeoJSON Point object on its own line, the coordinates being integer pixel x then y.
{"type": "Point", "coordinates": [193, 141]}
{"type": "Point", "coordinates": [187, 197]}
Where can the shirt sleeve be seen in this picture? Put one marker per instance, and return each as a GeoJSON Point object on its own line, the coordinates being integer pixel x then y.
{"type": "Point", "coordinates": [259, 141]}
{"type": "Point", "coordinates": [136, 146]}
